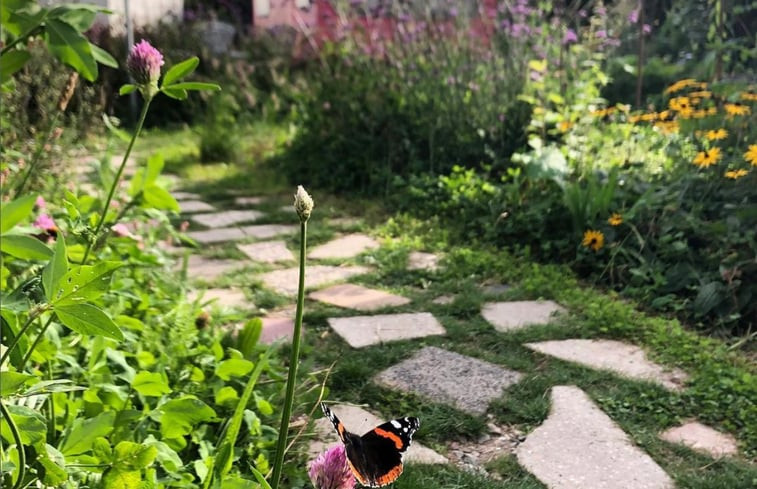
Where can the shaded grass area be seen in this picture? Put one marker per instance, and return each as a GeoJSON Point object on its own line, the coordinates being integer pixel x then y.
{"type": "Point", "coordinates": [722, 391]}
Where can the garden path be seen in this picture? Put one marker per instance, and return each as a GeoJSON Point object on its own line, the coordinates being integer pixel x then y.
{"type": "Point", "coordinates": [578, 445]}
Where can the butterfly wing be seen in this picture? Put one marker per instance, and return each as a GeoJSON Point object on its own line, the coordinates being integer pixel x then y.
{"type": "Point", "coordinates": [338, 426]}
{"type": "Point", "coordinates": [382, 449]}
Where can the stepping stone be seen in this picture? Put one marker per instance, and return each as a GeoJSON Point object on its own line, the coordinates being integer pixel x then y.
{"type": "Point", "coordinates": [219, 235]}
{"type": "Point", "coordinates": [276, 328]}
{"type": "Point", "coordinates": [467, 383]}
{"type": "Point", "coordinates": [345, 247]}
{"type": "Point", "coordinates": [248, 201]}
{"type": "Point", "coordinates": [579, 446]}
{"type": "Point", "coordinates": [191, 206]}
{"type": "Point", "coordinates": [701, 437]}
{"type": "Point", "coordinates": [180, 195]}
{"type": "Point", "coordinates": [344, 222]}
{"type": "Point", "coordinates": [422, 261]}
{"type": "Point", "coordinates": [443, 300]}
{"type": "Point", "coordinates": [267, 251]}
{"type": "Point", "coordinates": [360, 331]}
{"type": "Point", "coordinates": [622, 358]}
{"type": "Point", "coordinates": [199, 267]}
{"type": "Point", "coordinates": [358, 297]}
{"type": "Point", "coordinates": [285, 281]}
{"type": "Point", "coordinates": [267, 231]}
{"type": "Point", "coordinates": [495, 289]}
{"type": "Point", "coordinates": [509, 316]}
{"type": "Point", "coordinates": [359, 421]}
{"type": "Point", "coordinates": [226, 218]}
{"type": "Point", "coordinates": [222, 297]}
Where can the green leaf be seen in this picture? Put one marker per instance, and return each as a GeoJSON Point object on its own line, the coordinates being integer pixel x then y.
{"type": "Point", "coordinates": [56, 268]}
{"type": "Point", "coordinates": [31, 425]}
{"type": "Point", "coordinates": [237, 482]}
{"type": "Point", "coordinates": [71, 47]}
{"type": "Point", "coordinates": [151, 384]}
{"type": "Point", "coordinates": [53, 466]}
{"type": "Point", "coordinates": [249, 337]}
{"type": "Point", "coordinates": [15, 211]}
{"type": "Point", "coordinates": [126, 89]}
{"type": "Point", "coordinates": [102, 56]}
{"type": "Point", "coordinates": [84, 283]}
{"type": "Point", "coordinates": [235, 367]}
{"type": "Point", "coordinates": [178, 94]}
{"type": "Point", "coordinates": [180, 70]}
{"type": "Point", "coordinates": [166, 456]}
{"type": "Point", "coordinates": [160, 198]}
{"type": "Point", "coordinates": [122, 479]}
{"type": "Point", "coordinates": [79, 18]}
{"type": "Point", "coordinates": [179, 416]}
{"type": "Point", "coordinates": [102, 450]}
{"type": "Point", "coordinates": [155, 165]}
{"type": "Point", "coordinates": [133, 456]}
{"type": "Point", "coordinates": [89, 320]}
{"type": "Point", "coordinates": [263, 406]}
{"type": "Point", "coordinates": [709, 295]}
{"type": "Point", "coordinates": [83, 433]}
{"type": "Point", "coordinates": [196, 86]}
{"type": "Point", "coordinates": [261, 479]}
{"type": "Point", "coordinates": [24, 247]}
{"type": "Point", "coordinates": [11, 382]}
{"type": "Point", "coordinates": [50, 386]}
{"type": "Point", "coordinates": [119, 133]}
{"type": "Point", "coordinates": [227, 396]}
{"type": "Point", "coordinates": [11, 62]}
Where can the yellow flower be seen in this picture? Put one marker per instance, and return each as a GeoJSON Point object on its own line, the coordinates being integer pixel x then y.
{"type": "Point", "coordinates": [633, 119]}
{"type": "Point", "coordinates": [649, 117]}
{"type": "Point", "coordinates": [701, 94]}
{"type": "Point", "coordinates": [712, 111]}
{"type": "Point", "coordinates": [714, 135]}
{"type": "Point", "coordinates": [735, 174]}
{"type": "Point", "coordinates": [679, 103]}
{"type": "Point", "coordinates": [749, 96]}
{"type": "Point", "coordinates": [736, 109]}
{"type": "Point", "coordinates": [699, 114]}
{"type": "Point", "coordinates": [680, 85]}
{"type": "Point", "coordinates": [667, 127]}
{"type": "Point", "coordinates": [703, 159]}
{"type": "Point", "coordinates": [593, 239]}
{"type": "Point", "coordinates": [751, 154]}
{"type": "Point", "coordinates": [564, 126]}
{"type": "Point", "coordinates": [615, 219]}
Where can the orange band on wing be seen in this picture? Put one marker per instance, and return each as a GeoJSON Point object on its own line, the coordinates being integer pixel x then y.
{"type": "Point", "coordinates": [388, 434]}
{"type": "Point", "coordinates": [390, 476]}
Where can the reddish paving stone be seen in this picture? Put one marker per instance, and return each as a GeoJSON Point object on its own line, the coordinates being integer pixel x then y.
{"type": "Point", "coordinates": [579, 446]}
{"type": "Point", "coordinates": [276, 328]}
{"type": "Point", "coordinates": [512, 315]}
{"type": "Point", "coordinates": [285, 281]}
{"type": "Point", "coordinates": [701, 437]}
{"type": "Point", "coordinates": [267, 251]}
{"type": "Point", "coordinates": [358, 297]}
{"type": "Point", "coordinates": [362, 331]}
{"type": "Point", "coordinates": [345, 247]}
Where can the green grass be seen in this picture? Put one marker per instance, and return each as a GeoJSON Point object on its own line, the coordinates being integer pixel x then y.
{"type": "Point", "coordinates": [722, 391]}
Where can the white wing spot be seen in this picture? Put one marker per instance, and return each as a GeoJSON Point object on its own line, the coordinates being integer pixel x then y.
{"type": "Point", "coordinates": [396, 424]}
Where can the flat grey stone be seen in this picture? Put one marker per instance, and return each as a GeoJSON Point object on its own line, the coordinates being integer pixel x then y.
{"type": "Point", "coordinates": [361, 331]}
{"type": "Point", "coordinates": [199, 267]}
{"type": "Point", "coordinates": [418, 260]}
{"type": "Point", "coordinates": [267, 251]}
{"type": "Point", "coordinates": [701, 437]}
{"type": "Point", "coordinates": [222, 297]}
{"type": "Point", "coordinates": [622, 358]}
{"type": "Point", "coordinates": [266, 231]}
{"type": "Point", "coordinates": [579, 446]}
{"type": "Point", "coordinates": [181, 195]}
{"type": "Point", "coordinates": [359, 421]}
{"type": "Point", "coordinates": [226, 218]}
{"type": "Point", "coordinates": [345, 247]}
{"type": "Point", "coordinates": [495, 289]}
{"type": "Point", "coordinates": [508, 316]}
{"type": "Point", "coordinates": [219, 235]}
{"type": "Point", "coordinates": [286, 281]}
{"type": "Point", "coordinates": [245, 201]}
{"type": "Point", "coordinates": [191, 206]}
{"type": "Point", "coordinates": [467, 383]}
{"type": "Point", "coordinates": [443, 300]}
{"type": "Point", "coordinates": [358, 297]}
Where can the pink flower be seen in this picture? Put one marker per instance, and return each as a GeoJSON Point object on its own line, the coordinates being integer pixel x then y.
{"type": "Point", "coordinates": [633, 17]}
{"type": "Point", "coordinates": [40, 202]}
{"type": "Point", "coordinates": [121, 230]}
{"type": "Point", "coordinates": [144, 62]}
{"type": "Point", "coordinates": [569, 37]}
{"type": "Point", "coordinates": [330, 470]}
{"type": "Point", "coordinates": [45, 223]}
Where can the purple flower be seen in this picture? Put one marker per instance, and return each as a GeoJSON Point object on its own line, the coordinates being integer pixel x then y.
{"type": "Point", "coordinates": [45, 223]}
{"type": "Point", "coordinates": [646, 28]}
{"type": "Point", "coordinates": [330, 470]}
{"type": "Point", "coordinates": [40, 202]}
{"type": "Point", "coordinates": [570, 37]}
{"type": "Point", "coordinates": [633, 17]}
{"type": "Point", "coordinates": [453, 12]}
{"type": "Point", "coordinates": [601, 34]}
{"type": "Point", "coordinates": [144, 63]}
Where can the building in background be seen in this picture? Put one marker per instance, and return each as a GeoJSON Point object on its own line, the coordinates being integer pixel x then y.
{"type": "Point", "coordinates": [142, 12]}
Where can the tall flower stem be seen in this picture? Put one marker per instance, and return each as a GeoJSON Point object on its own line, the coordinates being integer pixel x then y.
{"type": "Point", "coordinates": [19, 445]}
{"type": "Point", "coordinates": [293, 363]}
{"type": "Point", "coordinates": [116, 180]}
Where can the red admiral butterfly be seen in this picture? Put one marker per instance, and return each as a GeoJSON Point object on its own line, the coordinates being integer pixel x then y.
{"type": "Point", "coordinates": [376, 457]}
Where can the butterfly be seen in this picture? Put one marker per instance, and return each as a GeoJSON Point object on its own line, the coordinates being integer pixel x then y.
{"type": "Point", "coordinates": [376, 457]}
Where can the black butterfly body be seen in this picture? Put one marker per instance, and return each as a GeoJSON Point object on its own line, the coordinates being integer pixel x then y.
{"type": "Point", "coordinates": [376, 457]}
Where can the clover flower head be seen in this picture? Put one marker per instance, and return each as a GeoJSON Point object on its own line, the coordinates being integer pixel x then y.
{"type": "Point", "coordinates": [144, 62]}
{"type": "Point", "coordinates": [45, 223]}
{"type": "Point", "coordinates": [569, 37]}
{"type": "Point", "coordinates": [330, 469]}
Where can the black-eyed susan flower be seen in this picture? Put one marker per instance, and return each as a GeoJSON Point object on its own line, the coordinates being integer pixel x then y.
{"type": "Point", "coordinates": [679, 103]}
{"type": "Point", "coordinates": [736, 109]}
{"type": "Point", "coordinates": [615, 219]}
{"type": "Point", "coordinates": [680, 85]}
{"type": "Point", "coordinates": [707, 158]}
{"type": "Point", "coordinates": [736, 174]}
{"type": "Point", "coordinates": [667, 127]}
{"type": "Point", "coordinates": [593, 239]}
{"type": "Point", "coordinates": [751, 154]}
{"type": "Point", "coordinates": [649, 116]}
{"type": "Point", "coordinates": [749, 96]}
{"type": "Point", "coordinates": [716, 134]}
{"type": "Point", "coordinates": [564, 126]}
{"type": "Point", "coordinates": [701, 94]}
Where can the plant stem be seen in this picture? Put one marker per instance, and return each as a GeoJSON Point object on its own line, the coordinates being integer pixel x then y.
{"type": "Point", "coordinates": [38, 153]}
{"type": "Point", "coordinates": [116, 180]}
{"type": "Point", "coordinates": [293, 362]}
{"type": "Point", "coordinates": [20, 367]}
{"type": "Point", "coordinates": [19, 446]}
{"type": "Point", "coordinates": [17, 336]}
